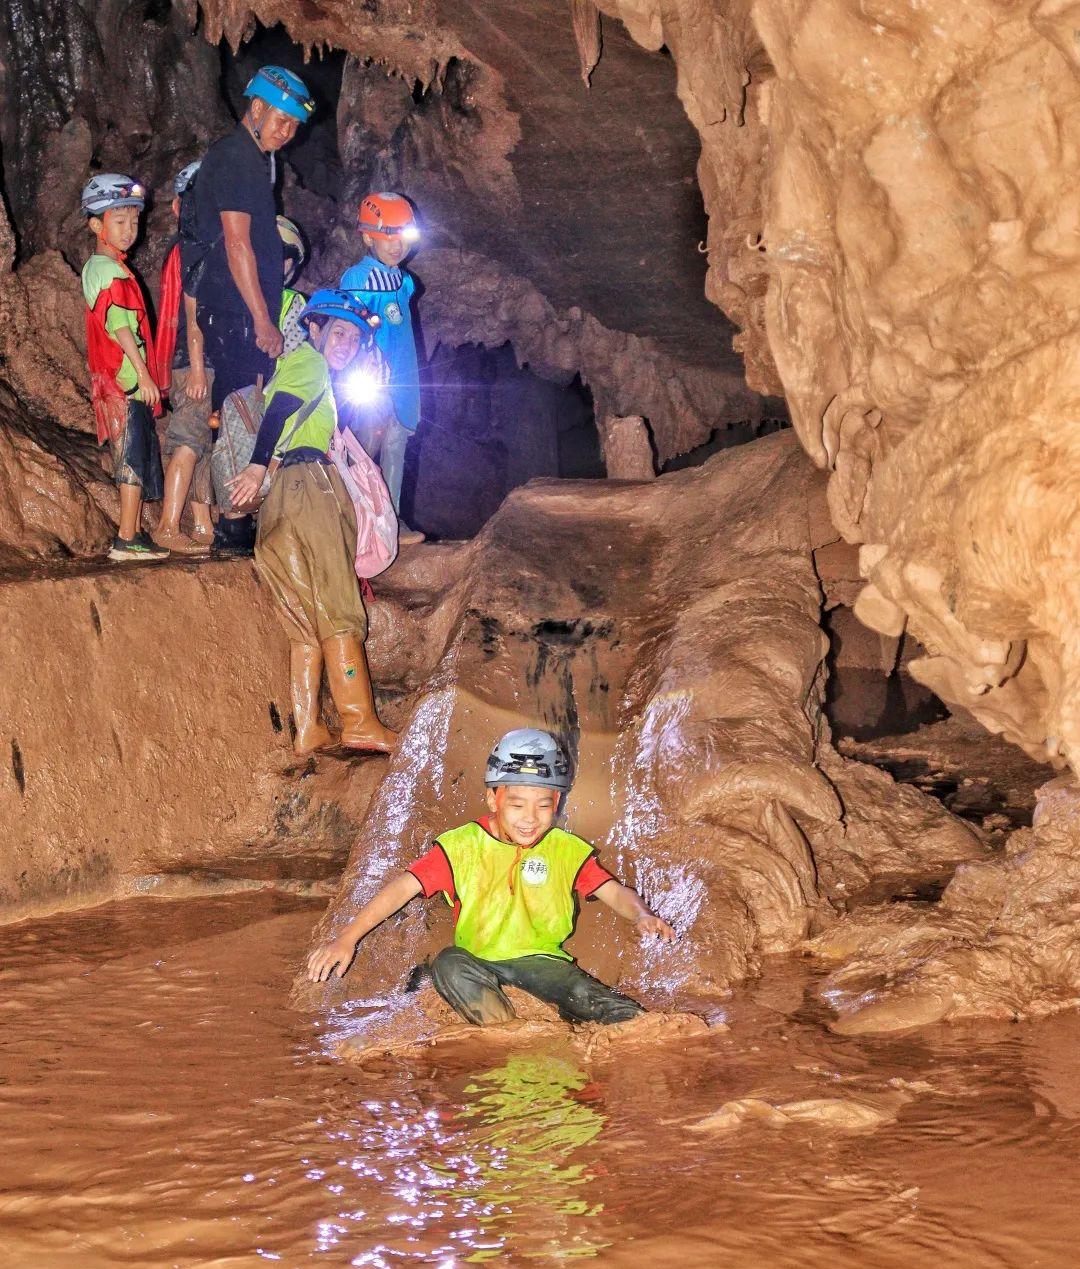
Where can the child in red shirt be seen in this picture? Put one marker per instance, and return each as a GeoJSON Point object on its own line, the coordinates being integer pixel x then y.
{"type": "Point", "coordinates": [119, 347]}
{"type": "Point", "coordinates": [515, 881]}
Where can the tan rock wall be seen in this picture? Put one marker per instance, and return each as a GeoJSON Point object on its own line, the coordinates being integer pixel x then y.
{"type": "Point", "coordinates": [922, 308]}
{"type": "Point", "coordinates": [144, 727]}
{"type": "Point", "coordinates": [903, 176]}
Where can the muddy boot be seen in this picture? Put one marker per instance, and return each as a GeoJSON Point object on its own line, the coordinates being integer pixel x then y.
{"type": "Point", "coordinates": [305, 668]}
{"type": "Point", "coordinates": [350, 686]}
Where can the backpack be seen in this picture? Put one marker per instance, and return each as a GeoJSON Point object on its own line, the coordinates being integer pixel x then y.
{"type": "Point", "coordinates": [238, 427]}
{"type": "Point", "coordinates": [376, 520]}
{"type": "Point", "coordinates": [194, 251]}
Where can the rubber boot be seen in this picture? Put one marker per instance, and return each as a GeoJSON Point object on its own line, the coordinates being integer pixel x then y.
{"type": "Point", "coordinates": [305, 670]}
{"type": "Point", "coordinates": [350, 686]}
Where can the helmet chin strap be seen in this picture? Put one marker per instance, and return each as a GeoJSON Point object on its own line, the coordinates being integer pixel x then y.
{"type": "Point", "coordinates": [256, 132]}
{"type": "Point", "coordinates": [110, 249]}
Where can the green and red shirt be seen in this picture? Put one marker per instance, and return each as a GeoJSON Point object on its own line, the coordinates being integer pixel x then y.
{"type": "Point", "coordinates": [114, 302]}
{"type": "Point", "coordinates": [509, 900]}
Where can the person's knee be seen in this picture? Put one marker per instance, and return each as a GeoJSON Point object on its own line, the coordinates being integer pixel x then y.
{"type": "Point", "coordinates": [448, 969]}
{"type": "Point", "coordinates": [469, 988]}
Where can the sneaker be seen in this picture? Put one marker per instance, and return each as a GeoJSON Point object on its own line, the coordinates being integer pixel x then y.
{"type": "Point", "coordinates": [177, 543]}
{"type": "Point", "coordinates": [140, 550]}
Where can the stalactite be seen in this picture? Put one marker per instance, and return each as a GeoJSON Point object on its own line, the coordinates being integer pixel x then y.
{"type": "Point", "coordinates": [587, 35]}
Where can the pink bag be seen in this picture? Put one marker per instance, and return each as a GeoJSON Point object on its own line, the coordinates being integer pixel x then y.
{"type": "Point", "coordinates": [376, 521]}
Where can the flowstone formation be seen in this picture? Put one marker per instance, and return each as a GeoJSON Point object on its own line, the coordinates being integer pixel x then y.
{"type": "Point", "coordinates": [668, 632]}
{"type": "Point", "coordinates": [911, 213]}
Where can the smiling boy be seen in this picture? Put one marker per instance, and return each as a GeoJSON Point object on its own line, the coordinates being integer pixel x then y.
{"type": "Point", "coordinates": [515, 881]}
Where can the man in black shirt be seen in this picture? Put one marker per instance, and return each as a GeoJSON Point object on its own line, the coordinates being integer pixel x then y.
{"type": "Point", "coordinates": [234, 268]}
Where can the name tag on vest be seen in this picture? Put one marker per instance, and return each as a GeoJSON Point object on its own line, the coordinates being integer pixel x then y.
{"type": "Point", "coordinates": [534, 872]}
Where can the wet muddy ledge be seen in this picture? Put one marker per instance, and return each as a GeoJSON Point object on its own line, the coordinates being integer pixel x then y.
{"type": "Point", "coordinates": [146, 728]}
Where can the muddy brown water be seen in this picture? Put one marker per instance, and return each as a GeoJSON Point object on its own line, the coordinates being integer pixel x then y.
{"type": "Point", "coordinates": [161, 1106]}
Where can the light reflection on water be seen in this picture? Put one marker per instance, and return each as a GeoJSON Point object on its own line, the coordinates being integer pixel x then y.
{"type": "Point", "coordinates": [498, 1170]}
{"type": "Point", "coordinates": [160, 1106]}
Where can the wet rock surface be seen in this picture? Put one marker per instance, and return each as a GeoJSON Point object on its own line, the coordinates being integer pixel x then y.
{"type": "Point", "coordinates": [1002, 941]}
{"type": "Point", "coordinates": [678, 655]}
{"type": "Point", "coordinates": [146, 734]}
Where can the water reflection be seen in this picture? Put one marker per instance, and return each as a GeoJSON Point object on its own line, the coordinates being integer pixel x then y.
{"type": "Point", "coordinates": [495, 1170]}
{"type": "Point", "coordinates": [528, 1120]}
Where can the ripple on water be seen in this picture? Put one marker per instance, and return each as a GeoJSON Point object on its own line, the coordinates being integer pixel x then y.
{"type": "Point", "coordinates": [162, 1106]}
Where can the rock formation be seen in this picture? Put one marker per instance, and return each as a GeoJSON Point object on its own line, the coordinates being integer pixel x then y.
{"type": "Point", "coordinates": [891, 242]}
{"type": "Point", "coordinates": [910, 210]}
{"type": "Point", "coordinates": [669, 632]}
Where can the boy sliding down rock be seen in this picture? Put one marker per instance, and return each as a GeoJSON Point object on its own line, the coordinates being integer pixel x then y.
{"type": "Point", "coordinates": [118, 348]}
{"type": "Point", "coordinates": [513, 880]}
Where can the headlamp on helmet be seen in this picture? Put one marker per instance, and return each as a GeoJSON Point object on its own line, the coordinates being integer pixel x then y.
{"type": "Point", "coordinates": [387, 215]}
{"type": "Point", "coordinates": [108, 190]}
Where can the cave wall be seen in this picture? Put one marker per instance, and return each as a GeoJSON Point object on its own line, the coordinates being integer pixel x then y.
{"type": "Point", "coordinates": [890, 228]}
{"type": "Point", "coordinates": [118, 84]}
{"type": "Point", "coordinates": [910, 257]}
{"type": "Point", "coordinates": [487, 426]}
{"type": "Point", "coordinates": [147, 729]}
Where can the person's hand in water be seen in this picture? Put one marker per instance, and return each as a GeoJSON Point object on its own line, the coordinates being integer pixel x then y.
{"type": "Point", "coordinates": [335, 955]}
{"type": "Point", "coordinates": [651, 924]}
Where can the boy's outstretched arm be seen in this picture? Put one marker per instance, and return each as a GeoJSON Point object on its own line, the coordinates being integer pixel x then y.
{"type": "Point", "coordinates": [339, 952]}
{"type": "Point", "coordinates": [630, 906]}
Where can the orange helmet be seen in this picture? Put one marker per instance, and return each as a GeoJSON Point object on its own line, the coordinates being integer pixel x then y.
{"type": "Point", "coordinates": [388, 216]}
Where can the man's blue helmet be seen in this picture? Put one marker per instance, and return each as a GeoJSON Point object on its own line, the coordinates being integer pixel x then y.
{"type": "Point", "coordinates": [108, 190]}
{"type": "Point", "coordinates": [185, 178]}
{"type": "Point", "coordinates": [283, 90]}
{"type": "Point", "coordinates": [528, 756]}
{"type": "Point", "coordinates": [332, 303]}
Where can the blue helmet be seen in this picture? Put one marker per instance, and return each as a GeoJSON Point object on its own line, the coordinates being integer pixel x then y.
{"type": "Point", "coordinates": [283, 90]}
{"type": "Point", "coordinates": [528, 756]}
{"type": "Point", "coordinates": [332, 303]}
{"type": "Point", "coordinates": [185, 178]}
{"type": "Point", "coordinates": [111, 189]}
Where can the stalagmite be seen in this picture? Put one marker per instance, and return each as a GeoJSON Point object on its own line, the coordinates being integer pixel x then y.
{"type": "Point", "coordinates": [627, 449]}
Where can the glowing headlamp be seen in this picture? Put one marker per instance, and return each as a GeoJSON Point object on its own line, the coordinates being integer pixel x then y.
{"type": "Point", "coordinates": [361, 387]}
{"type": "Point", "coordinates": [410, 233]}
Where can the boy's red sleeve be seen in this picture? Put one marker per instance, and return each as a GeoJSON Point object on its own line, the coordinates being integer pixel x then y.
{"type": "Point", "coordinates": [591, 876]}
{"type": "Point", "coordinates": [434, 873]}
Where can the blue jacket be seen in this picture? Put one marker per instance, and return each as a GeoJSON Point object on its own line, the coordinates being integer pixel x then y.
{"type": "Point", "coordinates": [388, 293]}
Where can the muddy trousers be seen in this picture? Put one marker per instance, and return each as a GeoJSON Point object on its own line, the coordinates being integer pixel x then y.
{"type": "Point", "coordinates": [474, 988]}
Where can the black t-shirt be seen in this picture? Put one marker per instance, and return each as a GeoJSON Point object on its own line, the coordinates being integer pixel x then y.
{"type": "Point", "coordinates": [236, 176]}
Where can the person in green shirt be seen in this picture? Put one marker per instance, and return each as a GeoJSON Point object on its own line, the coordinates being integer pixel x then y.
{"type": "Point", "coordinates": [515, 881]}
{"type": "Point", "coordinates": [305, 550]}
{"type": "Point", "coordinates": [119, 349]}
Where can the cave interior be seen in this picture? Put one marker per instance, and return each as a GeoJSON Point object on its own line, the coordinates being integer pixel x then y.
{"type": "Point", "coordinates": [733, 476]}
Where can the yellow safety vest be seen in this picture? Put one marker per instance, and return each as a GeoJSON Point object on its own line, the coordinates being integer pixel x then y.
{"type": "Point", "coordinates": [515, 900]}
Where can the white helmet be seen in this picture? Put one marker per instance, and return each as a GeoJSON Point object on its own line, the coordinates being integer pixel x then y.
{"type": "Point", "coordinates": [111, 189]}
{"type": "Point", "coordinates": [528, 756]}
